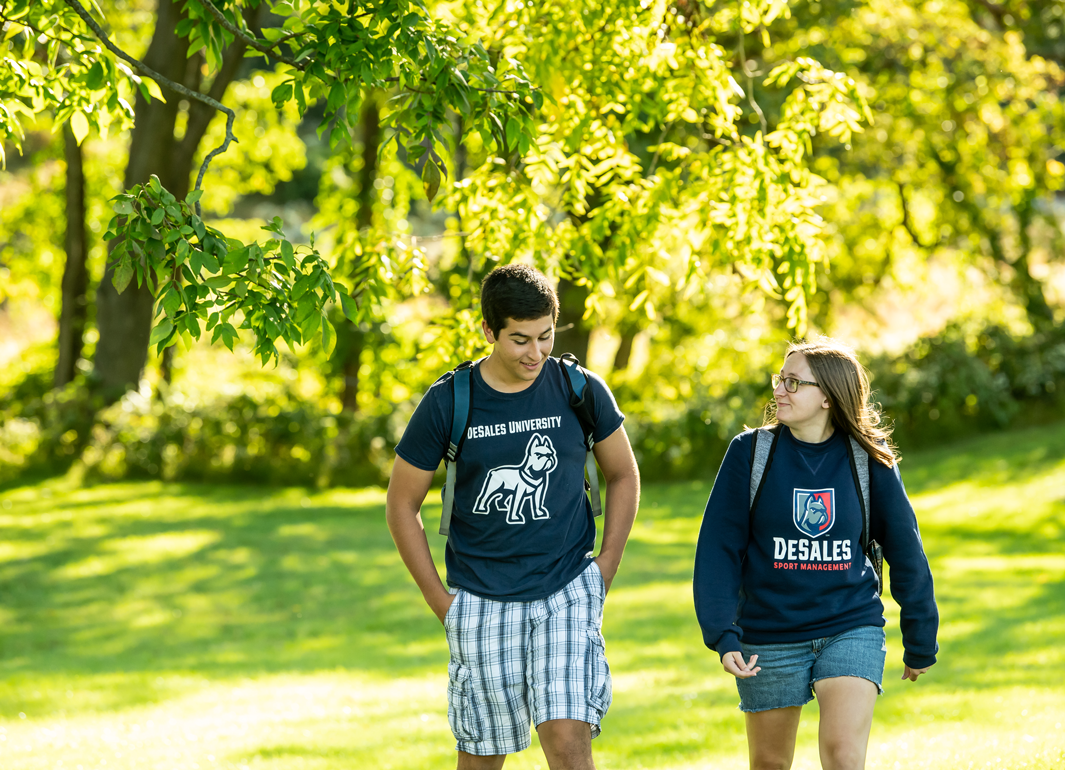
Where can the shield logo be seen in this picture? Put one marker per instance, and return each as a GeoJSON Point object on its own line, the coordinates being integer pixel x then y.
{"type": "Point", "coordinates": [814, 511]}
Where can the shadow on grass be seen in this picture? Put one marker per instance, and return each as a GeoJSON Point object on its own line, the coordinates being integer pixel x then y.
{"type": "Point", "coordinates": [133, 581]}
{"type": "Point", "coordinates": [216, 581]}
{"type": "Point", "coordinates": [997, 458]}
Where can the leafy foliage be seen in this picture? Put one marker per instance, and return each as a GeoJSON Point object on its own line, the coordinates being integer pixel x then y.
{"type": "Point", "coordinates": [202, 280]}
{"type": "Point", "coordinates": [963, 380]}
{"type": "Point", "coordinates": [964, 154]}
{"type": "Point", "coordinates": [648, 172]}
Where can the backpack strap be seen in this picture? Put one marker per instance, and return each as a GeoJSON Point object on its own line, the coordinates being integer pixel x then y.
{"type": "Point", "coordinates": [763, 446]}
{"type": "Point", "coordinates": [462, 409]}
{"type": "Point", "coordinates": [582, 401]}
{"type": "Point", "coordinates": [859, 460]}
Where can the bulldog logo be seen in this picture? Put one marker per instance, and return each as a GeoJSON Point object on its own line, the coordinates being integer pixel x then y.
{"type": "Point", "coordinates": [814, 511]}
{"type": "Point", "coordinates": [511, 488]}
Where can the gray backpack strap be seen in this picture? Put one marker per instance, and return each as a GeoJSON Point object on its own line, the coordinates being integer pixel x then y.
{"type": "Point", "coordinates": [582, 401]}
{"type": "Point", "coordinates": [861, 472]}
{"type": "Point", "coordinates": [762, 448]}
{"type": "Point", "coordinates": [461, 411]}
{"type": "Point", "coordinates": [871, 549]}
{"type": "Point", "coordinates": [760, 455]}
{"type": "Point", "coordinates": [593, 483]}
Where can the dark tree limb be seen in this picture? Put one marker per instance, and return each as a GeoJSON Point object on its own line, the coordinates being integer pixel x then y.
{"type": "Point", "coordinates": [999, 12]}
{"type": "Point", "coordinates": [907, 222]}
{"type": "Point", "coordinates": [74, 312]}
{"type": "Point", "coordinates": [140, 66]}
{"type": "Point", "coordinates": [741, 52]}
{"type": "Point", "coordinates": [199, 114]}
{"type": "Point", "coordinates": [251, 40]}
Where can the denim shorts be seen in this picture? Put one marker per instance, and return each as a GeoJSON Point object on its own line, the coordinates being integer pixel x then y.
{"type": "Point", "coordinates": [513, 663]}
{"type": "Point", "coordinates": [790, 670]}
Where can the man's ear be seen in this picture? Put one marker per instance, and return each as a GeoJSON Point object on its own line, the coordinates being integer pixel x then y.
{"type": "Point", "coordinates": [488, 335]}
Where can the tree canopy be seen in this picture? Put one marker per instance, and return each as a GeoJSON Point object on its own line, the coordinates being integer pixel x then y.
{"type": "Point", "coordinates": [622, 147]}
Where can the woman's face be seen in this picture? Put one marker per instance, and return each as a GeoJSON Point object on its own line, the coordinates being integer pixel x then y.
{"type": "Point", "coordinates": [808, 406]}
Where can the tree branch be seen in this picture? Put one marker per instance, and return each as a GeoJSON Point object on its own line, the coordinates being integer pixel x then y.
{"type": "Point", "coordinates": [998, 11]}
{"type": "Point", "coordinates": [250, 40]}
{"type": "Point", "coordinates": [200, 117]}
{"type": "Point", "coordinates": [907, 222]}
{"type": "Point", "coordinates": [394, 79]}
{"type": "Point", "coordinates": [231, 116]}
{"type": "Point", "coordinates": [750, 76]}
{"type": "Point", "coordinates": [658, 148]}
{"type": "Point", "coordinates": [27, 25]}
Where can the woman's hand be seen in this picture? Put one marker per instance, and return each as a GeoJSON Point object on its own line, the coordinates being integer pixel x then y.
{"type": "Point", "coordinates": [913, 673]}
{"type": "Point", "coordinates": [733, 663]}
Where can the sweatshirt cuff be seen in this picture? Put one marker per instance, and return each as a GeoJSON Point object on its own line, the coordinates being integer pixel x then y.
{"type": "Point", "coordinates": [729, 642]}
{"type": "Point", "coordinates": [918, 661]}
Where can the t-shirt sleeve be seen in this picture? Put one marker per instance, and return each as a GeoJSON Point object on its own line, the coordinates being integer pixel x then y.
{"type": "Point", "coordinates": [428, 432]}
{"type": "Point", "coordinates": [608, 417]}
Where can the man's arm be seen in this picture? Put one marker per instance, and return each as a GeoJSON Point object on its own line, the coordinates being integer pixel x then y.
{"type": "Point", "coordinates": [618, 464]}
{"type": "Point", "coordinates": [406, 491]}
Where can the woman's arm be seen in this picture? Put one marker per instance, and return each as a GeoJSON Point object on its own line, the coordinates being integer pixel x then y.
{"type": "Point", "coordinates": [719, 553]}
{"type": "Point", "coordinates": [894, 525]}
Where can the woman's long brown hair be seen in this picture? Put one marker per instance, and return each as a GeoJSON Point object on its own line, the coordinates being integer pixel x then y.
{"type": "Point", "coordinates": [846, 384]}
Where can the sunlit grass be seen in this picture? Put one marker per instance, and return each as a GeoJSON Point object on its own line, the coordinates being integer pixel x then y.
{"type": "Point", "coordinates": [168, 626]}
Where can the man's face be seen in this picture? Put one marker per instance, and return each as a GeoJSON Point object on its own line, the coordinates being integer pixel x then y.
{"type": "Point", "coordinates": [522, 347]}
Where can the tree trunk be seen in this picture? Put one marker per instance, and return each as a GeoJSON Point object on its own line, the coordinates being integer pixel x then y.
{"type": "Point", "coordinates": [1030, 290]}
{"type": "Point", "coordinates": [624, 351]}
{"type": "Point", "coordinates": [74, 311]}
{"type": "Point", "coordinates": [125, 320]}
{"type": "Point", "coordinates": [573, 340]}
{"type": "Point", "coordinates": [1026, 286]}
{"type": "Point", "coordinates": [370, 125]}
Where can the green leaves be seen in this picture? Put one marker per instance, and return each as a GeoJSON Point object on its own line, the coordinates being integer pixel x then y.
{"type": "Point", "coordinates": [123, 274]}
{"type": "Point", "coordinates": [431, 179]}
{"type": "Point", "coordinates": [162, 333]}
{"type": "Point", "coordinates": [275, 292]}
{"type": "Point", "coordinates": [86, 86]}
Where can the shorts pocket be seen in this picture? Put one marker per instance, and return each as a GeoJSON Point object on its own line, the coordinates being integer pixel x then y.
{"type": "Point", "coordinates": [452, 609]}
{"type": "Point", "coordinates": [461, 715]}
{"type": "Point", "coordinates": [596, 672]}
{"type": "Point", "coordinates": [594, 567]}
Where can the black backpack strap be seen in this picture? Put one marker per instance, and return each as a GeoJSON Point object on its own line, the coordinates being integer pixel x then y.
{"type": "Point", "coordinates": [763, 445]}
{"type": "Point", "coordinates": [461, 413]}
{"type": "Point", "coordinates": [582, 401]}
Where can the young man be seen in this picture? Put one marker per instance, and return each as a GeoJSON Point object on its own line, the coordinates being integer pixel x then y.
{"type": "Point", "coordinates": [524, 612]}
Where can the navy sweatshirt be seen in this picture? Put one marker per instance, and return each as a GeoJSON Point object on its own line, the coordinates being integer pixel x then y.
{"type": "Point", "coordinates": [794, 570]}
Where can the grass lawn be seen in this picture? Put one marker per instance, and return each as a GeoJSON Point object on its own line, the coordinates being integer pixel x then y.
{"type": "Point", "coordinates": [171, 626]}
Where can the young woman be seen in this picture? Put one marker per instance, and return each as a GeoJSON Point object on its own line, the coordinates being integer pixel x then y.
{"type": "Point", "coordinates": [784, 592]}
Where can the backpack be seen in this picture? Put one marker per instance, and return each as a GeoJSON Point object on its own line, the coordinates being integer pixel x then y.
{"type": "Point", "coordinates": [581, 401]}
{"type": "Point", "coordinates": [765, 444]}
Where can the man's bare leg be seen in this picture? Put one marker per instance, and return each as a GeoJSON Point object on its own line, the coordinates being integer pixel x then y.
{"type": "Point", "coordinates": [474, 762]}
{"type": "Point", "coordinates": [567, 744]}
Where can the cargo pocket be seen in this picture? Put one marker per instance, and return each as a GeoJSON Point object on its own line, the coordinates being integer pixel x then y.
{"type": "Point", "coordinates": [597, 672]}
{"type": "Point", "coordinates": [461, 714]}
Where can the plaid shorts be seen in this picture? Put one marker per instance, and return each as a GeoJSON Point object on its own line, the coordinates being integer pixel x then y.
{"type": "Point", "coordinates": [512, 662]}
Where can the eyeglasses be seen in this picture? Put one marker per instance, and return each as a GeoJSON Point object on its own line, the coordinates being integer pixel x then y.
{"type": "Point", "coordinates": [790, 383]}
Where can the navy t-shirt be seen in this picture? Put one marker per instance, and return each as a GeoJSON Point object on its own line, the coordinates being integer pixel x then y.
{"type": "Point", "coordinates": [522, 525]}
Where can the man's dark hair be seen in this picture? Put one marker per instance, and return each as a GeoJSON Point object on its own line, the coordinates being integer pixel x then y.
{"type": "Point", "coordinates": [518, 292]}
